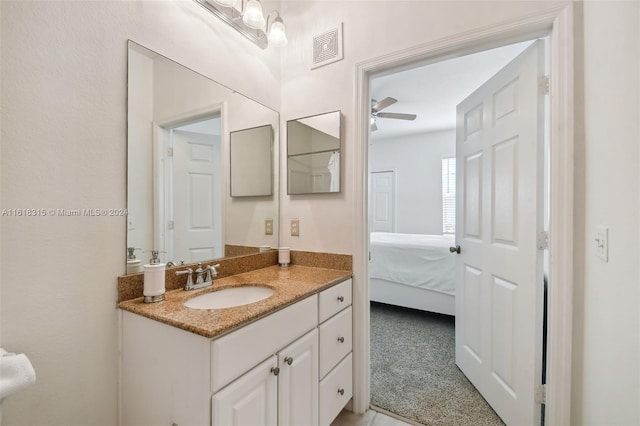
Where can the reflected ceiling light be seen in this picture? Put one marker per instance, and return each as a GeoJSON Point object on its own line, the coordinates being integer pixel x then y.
{"type": "Point", "coordinates": [249, 21]}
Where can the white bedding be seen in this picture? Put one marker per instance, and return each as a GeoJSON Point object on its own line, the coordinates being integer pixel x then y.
{"type": "Point", "coordinates": [414, 259]}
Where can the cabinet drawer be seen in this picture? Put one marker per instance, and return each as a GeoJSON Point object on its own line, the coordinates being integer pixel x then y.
{"type": "Point", "coordinates": [335, 340]}
{"type": "Point", "coordinates": [236, 353]}
{"type": "Point", "coordinates": [334, 299]}
{"type": "Point", "coordinates": [335, 391]}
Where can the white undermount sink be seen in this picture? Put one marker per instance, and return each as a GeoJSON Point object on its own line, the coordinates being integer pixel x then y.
{"type": "Point", "coordinates": [229, 297]}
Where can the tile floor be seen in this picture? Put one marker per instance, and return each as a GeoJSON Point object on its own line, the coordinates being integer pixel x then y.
{"type": "Point", "coordinates": [370, 418]}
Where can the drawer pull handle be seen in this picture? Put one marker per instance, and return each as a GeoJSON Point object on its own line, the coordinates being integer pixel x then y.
{"type": "Point", "coordinates": [341, 339]}
{"type": "Point", "coordinates": [288, 360]}
{"type": "Point", "coordinates": [340, 299]}
{"type": "Point", "coordinates": [341, 391]}
{"type": "Point", "coordinates": [275, 370]}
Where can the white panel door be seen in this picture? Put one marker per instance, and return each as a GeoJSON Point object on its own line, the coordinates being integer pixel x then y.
{"type": "Point", "coordinates": [197, 204]}
{"type": "Point", "coordinates": [383, 200]}
{"type": "Point", "coordinates": [298, 382]}
{"type": "Point", "coordinates": [251, 400]}
{"type": "Point", "coordinates": [498, 215]}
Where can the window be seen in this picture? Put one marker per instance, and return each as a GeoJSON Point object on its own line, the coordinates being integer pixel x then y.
{"type": "Point", "coordinates": [449, 195]}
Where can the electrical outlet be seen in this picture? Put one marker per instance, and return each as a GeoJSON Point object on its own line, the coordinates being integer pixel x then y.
{"type": "Point", "coordinates": [602, 241]}
{"type": "Point", "coordinates": [295, 227]}
{"type": "Point", "coordinates": [268, 227]}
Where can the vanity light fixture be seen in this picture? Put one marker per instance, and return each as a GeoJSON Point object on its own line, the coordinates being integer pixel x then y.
{"type": "Point", "coordinates": [252, 16]}
{"type": "Point", "coordinates": [226, 3]}
{"type": "Point", "coordinates": [277, 34]}
{"type": "Point", "coordinates": [249, 21]}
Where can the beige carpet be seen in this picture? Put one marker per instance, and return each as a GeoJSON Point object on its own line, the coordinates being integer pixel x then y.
{"type": "Point", "coordinates": [413, 371]}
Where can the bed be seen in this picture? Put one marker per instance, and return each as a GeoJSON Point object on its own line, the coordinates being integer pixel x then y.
{"type": "Point", "coordinates": [413, 270]}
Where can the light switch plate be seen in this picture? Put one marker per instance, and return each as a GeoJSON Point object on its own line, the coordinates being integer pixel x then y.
{"type": "Point", "coordinates": [295, 227]}
{"type": "Point", "coordinates": [268, 227]}
{"type": "Point", "coordinates": [602, 243]}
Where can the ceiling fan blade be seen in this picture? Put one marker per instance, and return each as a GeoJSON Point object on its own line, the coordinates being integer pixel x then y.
{"type": "Point", "coordinates": [397, 115]}
{"type": "Point", "coordinates": [374, 127]}
{"type": "Point", "coordinates": [383, 104]}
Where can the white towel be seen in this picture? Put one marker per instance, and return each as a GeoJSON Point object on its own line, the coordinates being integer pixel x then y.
{"type": "Point", "coordinates": [334, 171]}
{"type": "Point", "coordinates": [16, 373]}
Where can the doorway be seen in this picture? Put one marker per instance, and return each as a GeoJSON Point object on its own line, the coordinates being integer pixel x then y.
{"type": "Point", "coordinates": [412, 273]}
{"type": "Point", "coordinates": [189, 222]}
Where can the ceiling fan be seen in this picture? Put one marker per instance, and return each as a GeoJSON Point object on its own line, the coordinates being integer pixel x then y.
{"type": "Point", "coordinates": [376, 107]}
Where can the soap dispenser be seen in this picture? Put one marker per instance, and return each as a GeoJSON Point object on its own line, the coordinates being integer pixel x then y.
{"type": "Point", "coordinates": [134, 265]}
{"type": "Point", "coordinates": [154, 279]}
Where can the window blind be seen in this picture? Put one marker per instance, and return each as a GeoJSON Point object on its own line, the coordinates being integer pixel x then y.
{"type": "Point", "coordinates": [449, 195]}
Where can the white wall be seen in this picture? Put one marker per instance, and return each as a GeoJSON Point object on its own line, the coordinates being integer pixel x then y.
{"type": "Point", "coordinates": [64, 86]}
{"type": "Point", "coordinates": [417, 161]}
{"type": "Point", "coordinates": [607, 326]}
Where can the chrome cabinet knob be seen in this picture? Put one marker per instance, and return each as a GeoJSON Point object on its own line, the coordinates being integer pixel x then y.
{"type": "Point", "coordinates": [340, 299]}
{"type": "Point", "coordinates": [455, 249]}
{"type": "Point", "coordinates": [275, 370]}
{"type": "Point", "coordinates": [288, 360]}
{"type": "Point", "coordinates": [341, 339]}
{"type": "Point", "coordinates": [341, 391]}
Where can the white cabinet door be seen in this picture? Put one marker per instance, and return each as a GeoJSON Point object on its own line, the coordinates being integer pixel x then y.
{"type": "Point", "coordinates": [250, 400]}
{"type": "Point", "coordinates": [298, 382]}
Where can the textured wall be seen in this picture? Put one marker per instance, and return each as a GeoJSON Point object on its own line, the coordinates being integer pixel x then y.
{"type": "Point", "coordinates": [64, 86]}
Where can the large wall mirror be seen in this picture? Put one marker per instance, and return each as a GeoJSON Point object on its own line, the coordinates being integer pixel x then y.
{"type": "Point", "coordinates": [313, 154]}
{"type": "Point", "coordinates": [178, 181]}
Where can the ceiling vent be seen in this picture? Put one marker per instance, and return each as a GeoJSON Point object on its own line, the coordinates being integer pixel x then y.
{"type": "Point", "coordinates": [327, 47]}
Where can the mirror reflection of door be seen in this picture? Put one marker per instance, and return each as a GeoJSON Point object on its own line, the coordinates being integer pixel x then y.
{"type": "Point", "coordinates": [195, 212]}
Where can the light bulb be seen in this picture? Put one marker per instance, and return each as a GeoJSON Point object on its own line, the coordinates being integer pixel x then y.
{"type": "Point", "coordinates": [253, 15]}
{"type": "Point", "coordinates": [277, 35]}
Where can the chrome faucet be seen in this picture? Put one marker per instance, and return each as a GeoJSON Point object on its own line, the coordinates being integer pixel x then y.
{"type": "Point", "coordinates": [189, 272]}
{"type": "Point", "coordinates": [202, 280]}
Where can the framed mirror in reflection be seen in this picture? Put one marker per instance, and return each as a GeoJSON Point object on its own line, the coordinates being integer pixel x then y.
{"type": "Point", "coordinates": [251, 162]}
{"type": "Point", "coordinates": [313, 154]}
{"type": "Point", "coordinates": [178, 165]}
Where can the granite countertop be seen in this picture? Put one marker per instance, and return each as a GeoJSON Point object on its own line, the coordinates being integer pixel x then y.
{"type": "Point", "coordinates": [290, 284]}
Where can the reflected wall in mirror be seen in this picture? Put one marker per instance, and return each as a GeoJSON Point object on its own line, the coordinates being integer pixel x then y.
{"type": "Point", "coordinates": [313, 154]}
{"type": "Point", "coordinates": [251, 162]}
{"type": "Point", "coordinates": [178, 165]}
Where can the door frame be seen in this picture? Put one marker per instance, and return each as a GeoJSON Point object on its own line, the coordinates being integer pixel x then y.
{"type": "Point", "coordinates": [557, 23]}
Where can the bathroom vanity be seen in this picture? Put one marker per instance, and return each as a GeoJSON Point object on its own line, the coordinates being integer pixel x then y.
{"type": "Point", "coordinates": [285, 360]}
